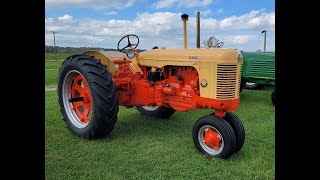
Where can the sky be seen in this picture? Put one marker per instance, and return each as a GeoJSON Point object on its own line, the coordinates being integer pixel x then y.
{"type": "Point", "coordinates": [102, 23]}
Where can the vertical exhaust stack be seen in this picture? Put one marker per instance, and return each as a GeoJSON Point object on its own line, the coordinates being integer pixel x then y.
{"type": "Point", "coordinates": [265, 39]}
{"type": "Point", "coordinates": [198, 29]}
{"type": "Point", "coordinates": [184, 18]}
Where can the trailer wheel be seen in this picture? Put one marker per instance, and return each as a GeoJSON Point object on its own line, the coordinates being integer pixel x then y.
{"type": "Point", "coordinates": [156, 111]}
{"type": "Point", "coordinates": [87, 97]}
{"type": "Point", "coordinates": [273, 97]}
{"type": "Point", "coordinates": [238, 129]}
{"type": "Point", "coordinates": [213, 136]}
{"type": "Point", "coordinates": [253, 86]}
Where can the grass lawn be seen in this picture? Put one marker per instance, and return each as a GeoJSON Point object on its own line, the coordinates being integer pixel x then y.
{"type": "Point", "coordinates": [52, 67]}
{"type": "Point", "coordinates": [53, 64]}
{"type": "Point", "coordinates": [59, 56]}
{"type": "Point", "coordinates": [142, 147]}
{"type": "Point", "coordinates": [51, 77]}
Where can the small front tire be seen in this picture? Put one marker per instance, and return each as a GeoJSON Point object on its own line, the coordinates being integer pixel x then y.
{"type": "Point", "coordinates": [213, 136]}
{"type": "Point", "coordinates": [238, 129]}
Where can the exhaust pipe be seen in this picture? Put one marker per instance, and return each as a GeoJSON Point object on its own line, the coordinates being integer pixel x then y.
{"type": "Point", "coordinates": [198, 29]}
{"type": "Point", "coordinates": [184, 18]}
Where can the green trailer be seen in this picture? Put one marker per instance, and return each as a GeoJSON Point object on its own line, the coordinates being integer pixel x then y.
{"type": "Point", "coordinates": [259, 68]}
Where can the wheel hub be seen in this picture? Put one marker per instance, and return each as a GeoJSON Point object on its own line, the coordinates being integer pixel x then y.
{"type": "Point", "coordinates": [212, 138]}
{"type": "Point", "coordinates": [80, 90]}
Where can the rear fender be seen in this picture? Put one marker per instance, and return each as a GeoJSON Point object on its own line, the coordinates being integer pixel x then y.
{"type": "Point", "coordinates": [104, 59]}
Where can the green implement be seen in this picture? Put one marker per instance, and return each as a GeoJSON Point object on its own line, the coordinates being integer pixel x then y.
{"type": "Point", "coordinates": [258, 68]}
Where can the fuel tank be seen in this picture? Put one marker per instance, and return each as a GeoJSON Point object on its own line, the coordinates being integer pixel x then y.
{"type": "Point", "coordinates": [187, 57]}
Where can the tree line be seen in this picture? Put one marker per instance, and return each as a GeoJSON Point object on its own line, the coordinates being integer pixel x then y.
{"type": "Point", "coordinates": [58, 49]}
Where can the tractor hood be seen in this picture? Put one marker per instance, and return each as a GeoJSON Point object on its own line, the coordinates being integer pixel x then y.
{"type": "Point", "coordinates": [187, 57]}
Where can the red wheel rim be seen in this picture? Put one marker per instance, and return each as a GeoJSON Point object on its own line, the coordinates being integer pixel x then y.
{"type": "Point", "coordinates": [80, 89]}
{"type": "Point", "coordinates": [212, 139]}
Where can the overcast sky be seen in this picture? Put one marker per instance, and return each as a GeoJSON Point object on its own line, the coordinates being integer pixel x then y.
{"type": "Point", "coordinates": [101, 23]}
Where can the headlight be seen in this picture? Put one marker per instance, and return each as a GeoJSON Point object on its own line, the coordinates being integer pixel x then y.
{"type": "Point", "coordinates": [204, 83]}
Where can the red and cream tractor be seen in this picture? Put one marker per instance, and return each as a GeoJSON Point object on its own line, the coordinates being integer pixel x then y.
{"type": "Point", "coordinates": [158, 82]}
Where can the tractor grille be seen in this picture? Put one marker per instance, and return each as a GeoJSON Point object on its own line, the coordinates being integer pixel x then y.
{"type": "Point", "coordinates": [227, 81]}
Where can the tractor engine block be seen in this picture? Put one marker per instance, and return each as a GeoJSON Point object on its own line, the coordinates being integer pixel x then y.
{"type": "Point", "coordinates": [157, 86]}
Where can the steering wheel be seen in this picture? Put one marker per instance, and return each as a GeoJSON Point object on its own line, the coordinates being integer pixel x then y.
{"type": "Point", "coordinates": [129, 45]}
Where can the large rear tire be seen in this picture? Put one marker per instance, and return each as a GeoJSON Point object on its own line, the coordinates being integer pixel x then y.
{"type": "Point", "coordinates": [87, 97]}
{"type": "Point", "coordinates": [156, 111]}
{"type": "Point", "coordinates": [213, 136]}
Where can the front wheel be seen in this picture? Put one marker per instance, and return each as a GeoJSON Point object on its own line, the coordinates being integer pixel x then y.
{"type": "Point", "coordinates": [156, 111]}
{"type": "Point", "coordinates": [238, 129]}
{"type": "Point", "coordinates": [87, 97]}
{"type": "Point", "coordinates": [213, 136]}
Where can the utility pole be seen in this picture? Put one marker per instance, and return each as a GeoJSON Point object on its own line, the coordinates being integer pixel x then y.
{"type": "Point", "coordinates": [54, 44]}
{"type": "Point", "coordinates": [265, 39]}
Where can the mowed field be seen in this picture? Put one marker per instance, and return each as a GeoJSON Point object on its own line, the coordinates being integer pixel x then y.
{"type": "Point", "coordinates": [52, 67]}
{"type": "Point", "coordinates": [150, 148]}
{"type": "Point", "coordinates": [142, 147]}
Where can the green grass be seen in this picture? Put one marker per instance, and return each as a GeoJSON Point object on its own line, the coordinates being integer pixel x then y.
{"type": "Point", "coordinates": [150, 148]}
{"type": "Point", "coordinates": [59, 56]}
{"type": "Point", "coordinates": [51, 77]}
{"type": "Point", "coordinates": [51, 67]}
{"type": "Point", "coordinates": [53, 64]}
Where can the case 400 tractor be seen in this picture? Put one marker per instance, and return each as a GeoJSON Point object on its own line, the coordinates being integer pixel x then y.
{"type": "Point", "coordinates": [158, 82]}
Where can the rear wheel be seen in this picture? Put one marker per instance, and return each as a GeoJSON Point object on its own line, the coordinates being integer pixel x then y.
{"type": "Point", "coordinates": [238, 129]}
{"type": "Point", "coordinates": [213, 136]}
{"type": "Point", "coordinates": [251, 85]}
{"type": "Point", "coordinates": [273, 97]}
{"type": "Point", "coordinates": [156, 111]}
{"type": "Point", "coordinates": [87, 97]}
